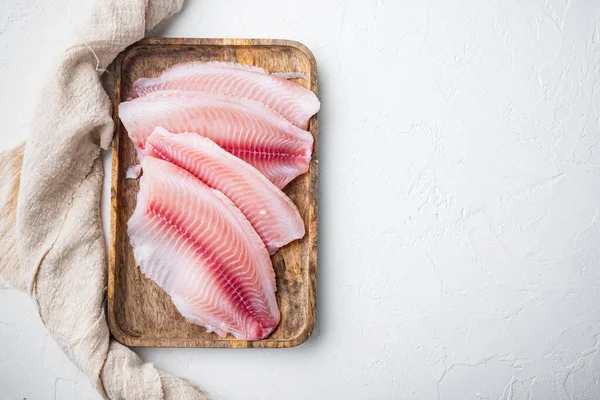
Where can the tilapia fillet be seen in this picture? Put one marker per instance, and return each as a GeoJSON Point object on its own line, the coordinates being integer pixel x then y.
{"type": "Point", "coordinates": [196, 245]}
{"type": "Point", "coordinates": [271, 213]}
{"type": "Point", "coordinates": [289, 99]}
{"type": "Point", "coordinates": [244, 128]}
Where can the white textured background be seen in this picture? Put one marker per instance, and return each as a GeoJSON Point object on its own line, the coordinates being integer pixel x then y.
{"type": "Point", "coordinates": [460, 189]}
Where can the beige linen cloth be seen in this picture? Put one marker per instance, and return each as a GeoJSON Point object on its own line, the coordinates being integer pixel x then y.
{"type": "Point", "coordinates": [51, 241]}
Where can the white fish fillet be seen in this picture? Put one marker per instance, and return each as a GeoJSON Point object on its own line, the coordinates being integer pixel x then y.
{"type": "Point", "coordinates": [197, 245]}
{"type": "Point", "coordinates": [289, 99]}
{"type": "Point", "coordinates": [244, 128]}
{"type": "Point", "coordinates": [271, 213]}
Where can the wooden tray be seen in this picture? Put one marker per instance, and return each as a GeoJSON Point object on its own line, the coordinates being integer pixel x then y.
{"type": "Point", "coordinates": [139, 312]}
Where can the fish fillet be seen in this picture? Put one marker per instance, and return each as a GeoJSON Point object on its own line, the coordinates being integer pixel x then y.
{"type": "Point", "coordinates": [197, 245]}
{"type": "Point", "coordinates": [245, 128]}
{"type": "Point", "coordinates": [272, 214]}
{"type": "Point", "coordinates": [289, 99]}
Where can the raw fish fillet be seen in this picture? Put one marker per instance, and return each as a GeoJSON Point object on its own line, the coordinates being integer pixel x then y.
{"type": "Point", "coordinates": [245, 128]}
{"type": "Point", "coordinates": [197, 245]}
{"type": "Point", "coordinates": [272, 214]}
{"type": "Point", "coordinates": [289, 99]}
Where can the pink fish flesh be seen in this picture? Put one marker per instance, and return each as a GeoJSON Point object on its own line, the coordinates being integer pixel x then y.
{"type": "Point", "coordinates": [244, 128]}
{"type": "Point", "coordinates": [198, 246]}
{"type": "Point", "coordinates": [288, 98]}
{"type": "Point", "coordinates": [272, 214]}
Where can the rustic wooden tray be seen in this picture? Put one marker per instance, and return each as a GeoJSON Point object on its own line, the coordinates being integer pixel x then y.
{"type": "Point", "coordinates": [139, 312]}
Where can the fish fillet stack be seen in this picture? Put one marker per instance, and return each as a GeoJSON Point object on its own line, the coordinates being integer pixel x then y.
{"type": "Point", "coordinates": [217, 142]}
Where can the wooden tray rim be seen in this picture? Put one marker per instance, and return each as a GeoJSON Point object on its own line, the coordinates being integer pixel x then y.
{"type": "Point", "coordinates": [114, 327]}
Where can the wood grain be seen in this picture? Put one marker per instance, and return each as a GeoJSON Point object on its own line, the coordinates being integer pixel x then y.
{"type": "Point", "coordinates": [139, 312]}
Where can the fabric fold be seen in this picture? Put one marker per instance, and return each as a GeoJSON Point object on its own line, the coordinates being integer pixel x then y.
{"type": "Point", "coordinates": [51, 212]}
{"type": "Point", "coordinates": [10, 177]}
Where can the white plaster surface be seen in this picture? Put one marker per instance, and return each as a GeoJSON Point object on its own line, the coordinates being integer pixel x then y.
{"type": "Point", "coordinates": [460, 190]}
